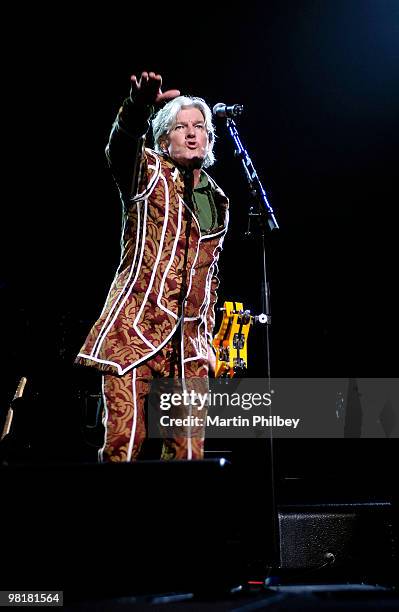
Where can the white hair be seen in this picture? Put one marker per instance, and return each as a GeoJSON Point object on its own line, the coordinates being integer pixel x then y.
{"type": "Point", "coordinates": [166, 117]}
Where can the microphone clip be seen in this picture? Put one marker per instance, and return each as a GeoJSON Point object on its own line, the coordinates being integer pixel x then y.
{"type": "Point", "coordinates": [222, 110]}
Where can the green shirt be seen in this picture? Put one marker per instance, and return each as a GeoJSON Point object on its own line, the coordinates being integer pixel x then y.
{"type": "Point", "coordinates": [205, 204]}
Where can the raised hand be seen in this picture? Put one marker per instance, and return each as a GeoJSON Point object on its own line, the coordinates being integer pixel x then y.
{"type": "Point", "coordinates": [147, 90]}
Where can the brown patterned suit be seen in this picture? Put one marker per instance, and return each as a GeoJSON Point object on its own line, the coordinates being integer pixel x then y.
{"type": "Point", "coordinates": [168, 269]}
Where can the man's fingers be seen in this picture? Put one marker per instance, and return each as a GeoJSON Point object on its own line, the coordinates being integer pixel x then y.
{"type": "Point", "coordinates": [150, 85]}
{"type": "Point", "coordinates": [148, 88]}
{"type": "Point", "coordinates": [156, 77]}
{"type": "Point", "coordinates": [134, 86]}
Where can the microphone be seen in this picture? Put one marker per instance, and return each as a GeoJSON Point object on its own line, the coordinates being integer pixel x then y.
{"type": "Point", "coordinates": [221, 110]}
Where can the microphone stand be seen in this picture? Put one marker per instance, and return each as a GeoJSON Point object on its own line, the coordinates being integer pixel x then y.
{"type": "Point", "coordinates": [266, 218]}
{"type": "Point", "coordinates": [261, 210]}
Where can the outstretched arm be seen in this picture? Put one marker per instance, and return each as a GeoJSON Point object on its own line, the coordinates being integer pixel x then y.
{"type": "Point", "coordinates": [125, 150]}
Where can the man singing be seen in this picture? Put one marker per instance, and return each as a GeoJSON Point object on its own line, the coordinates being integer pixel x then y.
{"type": "Point", "coordinates": [159, 315]}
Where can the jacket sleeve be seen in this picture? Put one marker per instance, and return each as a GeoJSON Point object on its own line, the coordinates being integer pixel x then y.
{"type": "Point", "coordinates": [223, 205]}
{"type": "Point", "coordinates": [210, 314]}
{"type": "Point", "coordinates": [125, 150]}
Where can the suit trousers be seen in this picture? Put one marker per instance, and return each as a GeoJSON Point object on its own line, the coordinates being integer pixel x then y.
{"type": "Point", "coordinates": [124, 408]}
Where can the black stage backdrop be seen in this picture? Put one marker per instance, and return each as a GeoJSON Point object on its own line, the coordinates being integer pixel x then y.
{"type": "Point", "coordinates": [319, 84]}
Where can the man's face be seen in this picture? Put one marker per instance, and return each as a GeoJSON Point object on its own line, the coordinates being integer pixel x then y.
{"type": "Point", "coordinates": [187, 142]}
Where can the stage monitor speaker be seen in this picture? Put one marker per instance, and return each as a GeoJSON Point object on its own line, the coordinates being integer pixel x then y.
{"type": "Point", "coordinates": [353, 540]}
{"type": "Point", "coordinates": [114, 529]}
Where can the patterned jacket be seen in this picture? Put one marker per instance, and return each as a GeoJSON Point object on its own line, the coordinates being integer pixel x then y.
{"type": "Point", "coordinates": [167, 266]}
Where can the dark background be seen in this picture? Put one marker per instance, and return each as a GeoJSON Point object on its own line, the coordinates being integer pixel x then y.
{"type": "Point", "coordinates": [319, 83]}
